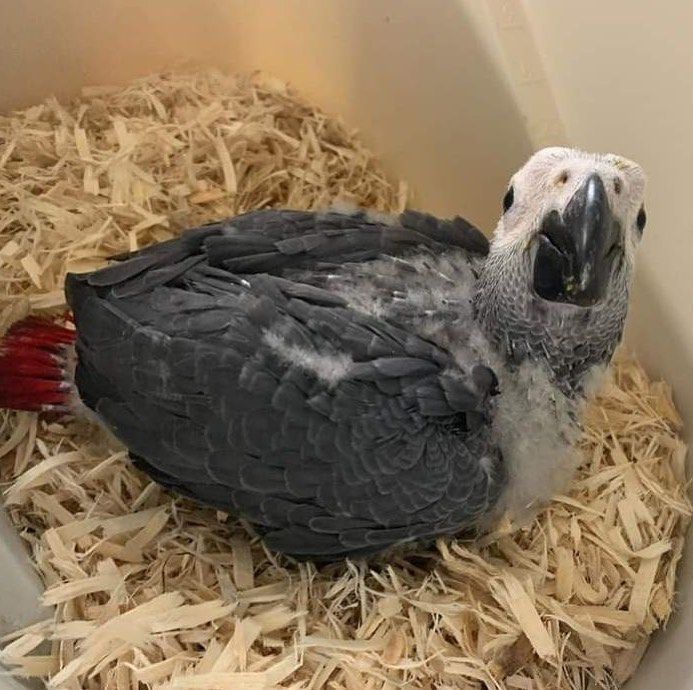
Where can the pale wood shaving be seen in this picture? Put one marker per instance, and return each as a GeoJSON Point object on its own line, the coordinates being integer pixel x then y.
{"type": "Point", "coordinates": [514, 598]}
{"type": "Point", "coordinates": [151, 591]}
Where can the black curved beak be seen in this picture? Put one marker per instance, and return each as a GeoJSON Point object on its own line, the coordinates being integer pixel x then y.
{"type": "Point", "coordinates": [576, 250]}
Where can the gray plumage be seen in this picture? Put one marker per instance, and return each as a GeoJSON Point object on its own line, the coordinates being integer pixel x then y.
{"type": "Point", "coordinates": [342, 382]}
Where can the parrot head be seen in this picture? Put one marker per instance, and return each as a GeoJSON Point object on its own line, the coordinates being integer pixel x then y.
{"type": "Point", "coordinates": [575, 220]}
{"type": "Point", "coordinates": [555, 284]}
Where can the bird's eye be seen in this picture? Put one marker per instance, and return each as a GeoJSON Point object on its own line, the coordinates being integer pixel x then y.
{"type": "Point", "coordinates": [641, 219]}
{"type": "Point", "coordinates": [508, 199]}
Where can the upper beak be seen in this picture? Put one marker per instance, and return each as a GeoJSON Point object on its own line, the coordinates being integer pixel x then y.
{"type": "Point", "coordinates": [575, 251]}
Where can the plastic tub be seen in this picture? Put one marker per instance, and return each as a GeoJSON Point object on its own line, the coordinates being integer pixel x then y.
{"type": "Point", "coordinates": [454, 95]}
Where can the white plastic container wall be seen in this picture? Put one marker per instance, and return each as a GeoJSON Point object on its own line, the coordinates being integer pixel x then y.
{"type": "Point", "coordinates": [454, 95]}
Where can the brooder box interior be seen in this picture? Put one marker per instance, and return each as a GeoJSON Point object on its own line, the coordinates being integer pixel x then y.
{"type": "Point", "coordinates": [454, 95]}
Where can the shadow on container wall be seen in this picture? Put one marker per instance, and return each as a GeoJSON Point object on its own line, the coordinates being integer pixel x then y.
{"type": "Point", "coordinates": [415, 77]}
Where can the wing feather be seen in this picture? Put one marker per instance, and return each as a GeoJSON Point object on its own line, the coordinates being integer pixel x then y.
{"type": "Point", "coordinates": [332, 430]}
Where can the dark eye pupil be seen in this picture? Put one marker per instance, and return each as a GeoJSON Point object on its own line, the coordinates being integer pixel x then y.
{"type": "Point", "coordinates": [641, 219]}
{"type": "Point", "coordinates": [508, 199]}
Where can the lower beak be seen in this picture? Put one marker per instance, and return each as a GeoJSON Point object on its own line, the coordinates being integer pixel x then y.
{"type": "Point", "coordinates": [575, 251]}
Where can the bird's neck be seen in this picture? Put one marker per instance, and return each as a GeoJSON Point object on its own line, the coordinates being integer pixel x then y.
{"type": "Point", "coordinates": [571, 341]}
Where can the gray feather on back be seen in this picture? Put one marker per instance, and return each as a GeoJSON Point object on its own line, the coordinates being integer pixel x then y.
{"type": "Point", "coordinates": [289, 366]}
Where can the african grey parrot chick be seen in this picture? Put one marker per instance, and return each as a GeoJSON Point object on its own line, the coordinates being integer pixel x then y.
{"type": "Point", "coordinates": [348, 382]}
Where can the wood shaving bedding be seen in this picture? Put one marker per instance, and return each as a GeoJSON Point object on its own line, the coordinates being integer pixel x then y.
{"type": "Point", "coordinates": [152, 591]}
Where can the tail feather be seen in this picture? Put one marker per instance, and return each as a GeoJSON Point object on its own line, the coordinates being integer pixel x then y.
{"type": "Point", "coordinates": [36, 366]}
